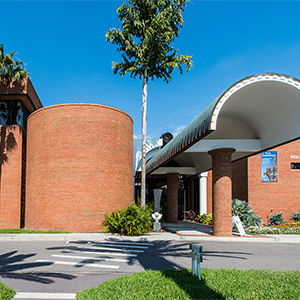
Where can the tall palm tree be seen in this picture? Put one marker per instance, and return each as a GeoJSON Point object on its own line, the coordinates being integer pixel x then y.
{"type": "Point", "coordinates": [148, 29]}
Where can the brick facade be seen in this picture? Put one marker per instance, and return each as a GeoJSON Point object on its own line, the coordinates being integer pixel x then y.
{"type": "Point", "coordinates": [240, 180]}
{"type": "Point", "coordinates": [11, 167]}
{"type": "Point", "coordinates": [283, 195]}
{"type": "Point", "coordinates": [266, 197]}
{"type": "Point", "coordinates": [79, 166]}
{"type": "Point", "coordinates": [172, 198]}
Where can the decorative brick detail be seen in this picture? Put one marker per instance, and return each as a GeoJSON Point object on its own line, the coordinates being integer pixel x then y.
{"type": "Point", "coordinates": [172, 197]}
{"type": "Point", "coordinates": [79, 166]}
{"type": "Point", "coordinates": [11, 164]}
{"type": "Point", "coordinates": [222, 191]}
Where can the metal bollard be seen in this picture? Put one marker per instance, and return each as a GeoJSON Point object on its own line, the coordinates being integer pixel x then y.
{"type": "Point", "coordinates": [196, 256]}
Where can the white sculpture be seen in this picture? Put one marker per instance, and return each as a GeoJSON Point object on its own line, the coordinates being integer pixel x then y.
{"type": "Point", "coordinates": [156, 216]}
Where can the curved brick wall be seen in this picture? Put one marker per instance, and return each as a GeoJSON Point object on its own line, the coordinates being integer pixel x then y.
{"type": "Point", "coordinates": [79, 166]}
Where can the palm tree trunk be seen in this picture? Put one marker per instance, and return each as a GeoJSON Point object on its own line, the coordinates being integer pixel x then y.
{"type": "Point", "coordinates": [144, 128]}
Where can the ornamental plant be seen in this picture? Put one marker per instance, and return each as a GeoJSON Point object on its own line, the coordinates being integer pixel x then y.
{"type": "Point", "coordinates": [295, 216]}
{"type": "Point", "coordinates": [245, 212]}
{"type": "Point", "coordinates": [192, 215]}
{"type": "Point", "coordinates": [205, 219]}
{"type": "Point", "coordinates": [275, 219]}
{"type": "Point", "coordinates": [133, 220]}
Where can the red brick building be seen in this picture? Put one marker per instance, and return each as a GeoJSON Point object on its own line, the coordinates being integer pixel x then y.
{"type": "Point", "coordinates": [64, 166]}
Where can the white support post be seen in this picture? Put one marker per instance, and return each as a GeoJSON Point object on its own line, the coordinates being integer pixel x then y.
{"type": "Point", "coordinates": [203, 193]}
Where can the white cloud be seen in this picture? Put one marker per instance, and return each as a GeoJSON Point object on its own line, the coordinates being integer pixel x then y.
{"type": "Point", "coordinates": [177, 129]}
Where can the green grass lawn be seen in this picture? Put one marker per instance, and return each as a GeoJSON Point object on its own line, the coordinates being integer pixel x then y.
{"type": "Point", "coordinates": [215, 284]}
{"type": "Point", "coordinates": [14, 231]}
{"type": "Point", "coordinates": [6, 293]}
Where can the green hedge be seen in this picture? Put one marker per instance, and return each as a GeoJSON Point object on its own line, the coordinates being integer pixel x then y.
{"type": "Point", "coordinates": [132, 220]}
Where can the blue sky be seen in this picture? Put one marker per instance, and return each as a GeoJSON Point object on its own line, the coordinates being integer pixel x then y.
{"type": "Point", "coordinates": [64, 48]}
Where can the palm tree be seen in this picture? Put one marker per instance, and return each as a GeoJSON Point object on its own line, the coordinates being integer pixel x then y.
{"type": "Point", "coordinates": [148, 29]}
{"type": "Point", "coordinates": [11, 69]}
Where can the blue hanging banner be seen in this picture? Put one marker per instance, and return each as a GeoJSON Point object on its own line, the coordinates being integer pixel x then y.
{"type": "Point", "coordinates": [269, 172]}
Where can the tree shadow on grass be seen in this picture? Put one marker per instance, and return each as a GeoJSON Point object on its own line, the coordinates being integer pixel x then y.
{"type": "Point", "coordinates": [193, 287]}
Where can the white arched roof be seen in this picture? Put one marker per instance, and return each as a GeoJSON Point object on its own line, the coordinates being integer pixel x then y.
{"type": "Point", "coordinates": [254, 114]}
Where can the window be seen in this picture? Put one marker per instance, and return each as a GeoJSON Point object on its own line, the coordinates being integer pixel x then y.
{"type": "Point", "coordinates": [295, 166]}
{"type": "Point", "coordinates": [13, 113]}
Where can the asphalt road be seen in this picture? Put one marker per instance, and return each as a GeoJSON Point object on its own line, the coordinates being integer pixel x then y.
{"type": "Point", "coordinates": [67, 267]}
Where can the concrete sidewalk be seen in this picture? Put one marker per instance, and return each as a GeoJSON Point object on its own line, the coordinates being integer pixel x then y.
{"type": "Point", "coordinates": [183, 230]}
{"type": "Point", "coordinates": [186, 230]}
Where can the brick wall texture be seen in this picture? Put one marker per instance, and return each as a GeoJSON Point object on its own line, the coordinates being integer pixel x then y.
{"type": "Point", "coordinates": [222, 191]}
{"type": "Point", "coordinates": [283, 195]}
{"type": "Point", "coordinates": [11, 166]}
{"type": "Point", "coordinates": [264, 197]}
{"type": "Point", "coordinates": [240, 180]}
{"type": "Point", "coordinates": [172, 198]}
{"type": "Point", "coordinates": [209, 192]}
{"type": "Point", "coordinates": [79, 166]}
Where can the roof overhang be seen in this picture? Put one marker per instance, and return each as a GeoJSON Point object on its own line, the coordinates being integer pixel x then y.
{"type": "Point", "coordinates": [23, 91]}
{"type": "Point", "coordinates": [254, 114]}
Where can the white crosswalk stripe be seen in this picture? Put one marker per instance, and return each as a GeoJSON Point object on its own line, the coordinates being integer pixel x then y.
{"type": "Point", "coordinates": [117, 246]}
{"type": "Point", "coordinates": [114, 249]}
{"type": "Point", "coordinates": [98, 252]}
{"type": "Point", "coordinates": [114, 252]}
{"type": "Point", "coordinates": [90, 258]}
{"type": "Point", "coordinates": [70, 263]}
{"type": "Point", "coordinates": [124, 243]}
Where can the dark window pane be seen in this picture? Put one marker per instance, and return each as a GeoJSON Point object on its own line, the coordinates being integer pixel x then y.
{"type": "Point", "coordinates": [295, 166]}
{"type": "Point", "coordinates": [11, 113]}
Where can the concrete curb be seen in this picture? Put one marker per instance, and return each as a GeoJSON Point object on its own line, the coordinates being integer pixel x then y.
{"type": "Point", "coordinates": [40, 296]}
{"type": "Point", "coordinates": [149, 237]}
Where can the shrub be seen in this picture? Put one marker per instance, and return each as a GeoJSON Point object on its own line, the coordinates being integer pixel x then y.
{"type": "Point", "coordinates": [295, 216]}
{"type": "Point", "coordinates": [132, 220]}
{"type": "Point", "coordinates": [243, 210]}
{"type": "Point", "coordinates": [276, 219]}
{"type": "Point", "coordinates": [192, 215]}
{"type": "Point", "coordinates": [205, 219]}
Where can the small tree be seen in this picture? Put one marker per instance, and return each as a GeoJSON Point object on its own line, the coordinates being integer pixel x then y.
{"type": "Point", "coordinates": [10, 68]}
{"type": "Point", "coordinates": [147, 31]}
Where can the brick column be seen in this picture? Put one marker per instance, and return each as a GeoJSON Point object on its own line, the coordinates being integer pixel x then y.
{"type": "Point", "coordinates": [192, 194]}
{"type": "Point", "coordinates": [172, 198]}
{"type": "Point", "coordinates": [222, 191]}
{"type": "Point", "coordinates": [188, 203]}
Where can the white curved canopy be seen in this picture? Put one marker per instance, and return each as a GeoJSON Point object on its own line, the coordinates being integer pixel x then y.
{"type": "Point", "coordinates": [256, 113]}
